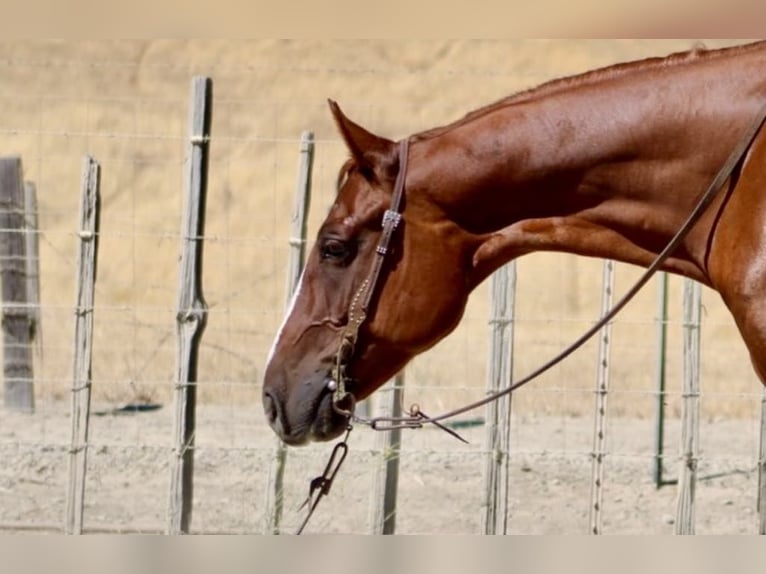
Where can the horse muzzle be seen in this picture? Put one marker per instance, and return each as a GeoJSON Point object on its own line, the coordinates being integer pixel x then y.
{"type": "Point", "coordinates": [306, 412]}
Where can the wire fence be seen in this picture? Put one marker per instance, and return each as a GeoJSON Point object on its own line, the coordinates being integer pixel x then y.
{"type": "Point", "coordinates": [127, 106]}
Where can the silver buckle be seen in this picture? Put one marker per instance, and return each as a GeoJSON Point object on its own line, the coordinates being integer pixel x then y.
{"type": "Point", "coordinates": [392, 217]}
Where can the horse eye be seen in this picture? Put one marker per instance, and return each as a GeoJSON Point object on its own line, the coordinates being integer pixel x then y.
{"type": "Point", "coordinates": [336, 250]}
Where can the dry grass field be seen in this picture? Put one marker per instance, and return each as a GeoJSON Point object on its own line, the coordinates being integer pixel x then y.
{"type": "Point", "coordinates": [126, 104]}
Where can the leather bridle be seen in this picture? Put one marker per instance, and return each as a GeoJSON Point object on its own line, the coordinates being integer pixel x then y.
{"type": "Point", "coordinates": [357, 315]}
{"type": "Point", "coordinates": [360, 303]}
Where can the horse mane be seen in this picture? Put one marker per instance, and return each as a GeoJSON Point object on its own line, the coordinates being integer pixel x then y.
{"type": "Point", "coordinates": [614, 71]}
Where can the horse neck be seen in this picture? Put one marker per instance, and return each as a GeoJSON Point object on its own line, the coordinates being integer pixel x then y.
{"type": "Point", "coordinates": [623, 161]}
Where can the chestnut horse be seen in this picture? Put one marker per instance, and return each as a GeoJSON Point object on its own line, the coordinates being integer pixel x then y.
{"type": "Point", "coordinates": [606, 164]}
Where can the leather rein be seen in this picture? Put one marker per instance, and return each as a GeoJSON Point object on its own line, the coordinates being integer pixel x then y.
{"type": "Point", "coordinates": [360, 303]}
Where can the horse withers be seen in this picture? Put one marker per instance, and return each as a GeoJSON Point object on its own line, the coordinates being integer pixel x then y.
{"type": "Point", "coordinates": [605, 164]}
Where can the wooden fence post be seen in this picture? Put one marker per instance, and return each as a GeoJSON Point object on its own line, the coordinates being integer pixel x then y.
{"type": "Point", "coordinates": [17, 314]}
{"type": "Point", "coordinates": [602, 390]}
{"type": "Point", "coordinates": [386, 479]}
{"type": "Point", "coordinates": [495, 506]}
{"type": "Point", "coordinates": [687, 479]}
{"type": "Point", "coordinates": [274, 488]}
{"type": "Point", "coordinates": [192, 309]}
{"type": "Point", "coordinates": [762, 468]}
{"type": "Point", "coordinates": [32, 240]}
{"type": "Point", "coordinates": [83, 344]}
{"type": "Point", "coordinates": [660, 372]}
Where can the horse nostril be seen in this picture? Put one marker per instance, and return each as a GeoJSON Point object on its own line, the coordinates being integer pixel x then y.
{"type": "Point", "coordinates": [270, 407]}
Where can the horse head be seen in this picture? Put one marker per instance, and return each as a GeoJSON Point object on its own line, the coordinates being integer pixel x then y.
{"type": "Point", "coordinates": [418, 297]}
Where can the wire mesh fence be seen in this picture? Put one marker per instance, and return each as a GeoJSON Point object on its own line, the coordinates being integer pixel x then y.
{"type": "Point", "coordinates": [126, 104]}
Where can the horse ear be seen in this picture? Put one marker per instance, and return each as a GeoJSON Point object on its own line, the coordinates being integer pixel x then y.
{"type": "Point", "coordinates": [363, 145]}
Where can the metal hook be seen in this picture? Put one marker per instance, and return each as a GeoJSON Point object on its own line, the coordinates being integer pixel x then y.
{"type": "Point", "coordinates": [415, 419]}
{"type": "Point", "coordinates": [346, 396]}
{"type": "Point", "coordinates": [320, 485]}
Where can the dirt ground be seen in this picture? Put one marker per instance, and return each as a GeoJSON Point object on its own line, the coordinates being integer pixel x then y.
{"type": "Point", "coordinates": [441, 480]}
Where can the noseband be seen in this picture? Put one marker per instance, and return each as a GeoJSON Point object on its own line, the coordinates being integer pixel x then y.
{"type": "Point", "coordinates": [360, 303]}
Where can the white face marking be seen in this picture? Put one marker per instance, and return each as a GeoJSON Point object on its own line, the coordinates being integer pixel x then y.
{"type": "Point", "coordinates": [289, 312]}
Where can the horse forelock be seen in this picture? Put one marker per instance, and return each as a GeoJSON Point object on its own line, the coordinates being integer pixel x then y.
{"type": "Point", "coordinates": [345, 169]}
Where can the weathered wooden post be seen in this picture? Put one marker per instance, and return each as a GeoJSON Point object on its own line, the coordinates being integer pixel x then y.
{"type": "Point", "coordinates": [495, 506]}
{"type": "Point", "coordinates": [83, 345]}
{"type": "Point", "coordinates": [687, 479]}
{"type": "Point", "coordinates": [295, 262]}
{"type": "Point", "coordinates": [32, 237]}
{"type": "Point", "coordinates": [17, 320]}
{"type": "Point", "coordinates": [602, 392]}
{"type": "Point", "coordinates": [192, 309]}
{"type": "Point", "coordinates": [660, 372]}
{"type": "Point", "coordinates": [386, 479]}
{"type": "Point", "coordinates": [762, 468]}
